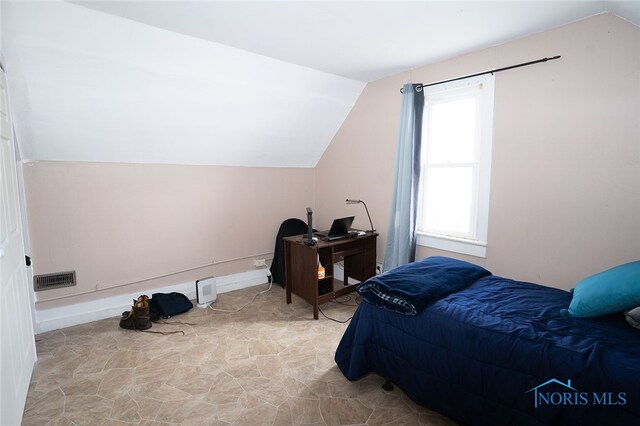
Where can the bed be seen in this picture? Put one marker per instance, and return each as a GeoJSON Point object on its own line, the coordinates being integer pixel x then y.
{"type": "Point", "coordinates": [491, 350]}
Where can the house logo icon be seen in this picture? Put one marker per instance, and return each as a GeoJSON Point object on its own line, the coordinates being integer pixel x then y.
{"type": "Point", "coordinates": [539, 396]}
{"type": "Point", "coordinates": [554, 392]}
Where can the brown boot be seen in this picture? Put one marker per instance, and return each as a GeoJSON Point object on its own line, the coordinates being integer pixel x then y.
{"type": "Point", "coordinates": [138, 317]}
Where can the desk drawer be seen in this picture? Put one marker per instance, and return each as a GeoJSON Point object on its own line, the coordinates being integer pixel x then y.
{"type": "Point", "coordinates": [354, 246]}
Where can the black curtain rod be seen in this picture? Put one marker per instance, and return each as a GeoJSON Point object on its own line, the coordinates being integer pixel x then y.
{"type": "Point", "coordinates": [524, 64]}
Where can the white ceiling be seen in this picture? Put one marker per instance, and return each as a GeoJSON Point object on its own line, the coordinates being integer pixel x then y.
{"type": "Point", "coordinates": [361, 40]}
{"type": "Point", "coordinates": [259, 84]}
{"type": "Point", "coordinates": [88, 86]}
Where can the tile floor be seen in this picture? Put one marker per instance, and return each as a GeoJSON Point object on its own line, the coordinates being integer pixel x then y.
{"type": "Point", "coordinates": [269, 364]}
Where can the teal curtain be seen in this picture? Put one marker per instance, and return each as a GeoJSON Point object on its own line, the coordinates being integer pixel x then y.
{"type": "Point", "coordinates": [401, 238]}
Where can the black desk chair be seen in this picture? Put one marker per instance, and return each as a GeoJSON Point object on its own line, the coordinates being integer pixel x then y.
{"type": "Point", "coordinates": [288, 228]}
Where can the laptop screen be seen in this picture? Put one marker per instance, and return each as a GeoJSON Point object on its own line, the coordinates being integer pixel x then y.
{"type": "Point", "coordinates": [341, 226]}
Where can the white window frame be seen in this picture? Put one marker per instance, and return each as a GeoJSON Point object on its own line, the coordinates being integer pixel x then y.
{"type": "Point", "coordinates": [476, 244]}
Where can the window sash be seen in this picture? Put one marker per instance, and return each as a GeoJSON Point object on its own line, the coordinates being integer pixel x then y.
{"type": "Point", "coordinates": [480, 88]}
{"type": "Point", "coordinates": [472, 211]}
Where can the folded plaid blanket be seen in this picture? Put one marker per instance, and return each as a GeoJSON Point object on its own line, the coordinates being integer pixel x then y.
{"type": "Point", "coordinates": [409, 288]}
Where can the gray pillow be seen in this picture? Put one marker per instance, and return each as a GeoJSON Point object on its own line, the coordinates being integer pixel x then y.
{"type": "Point", "coordinates": [633, 317]}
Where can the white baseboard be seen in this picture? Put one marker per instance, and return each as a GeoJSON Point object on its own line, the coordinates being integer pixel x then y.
{"type": "Point", "coordinates": [80, 313]}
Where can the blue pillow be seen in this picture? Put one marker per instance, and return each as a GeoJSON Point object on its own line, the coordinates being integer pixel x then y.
{"type": "Point", "coordinates": [614, 290]}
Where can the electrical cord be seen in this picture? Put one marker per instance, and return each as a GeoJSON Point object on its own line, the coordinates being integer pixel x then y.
{"type": "Point", "coordinates": [343, 302]}
{"type": "Point", "coordinates": [246, 304]}
{"type": "Point", "coordinates": [333, 319]}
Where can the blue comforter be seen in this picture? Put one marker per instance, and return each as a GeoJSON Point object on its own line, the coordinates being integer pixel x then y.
{"type": "Point", "coordinates": [410, 288]}
{"type": "Point", "coordinates": [499, 352]}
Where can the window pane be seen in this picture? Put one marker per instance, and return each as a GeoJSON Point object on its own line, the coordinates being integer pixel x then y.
{"type": "Point", "coordinates": [448, 200]}
{"type": "Point", "coordinates": [452, 131]}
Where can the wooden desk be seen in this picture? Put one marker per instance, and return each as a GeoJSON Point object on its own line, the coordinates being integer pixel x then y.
{"type": "Point", "coordinates": [301, 266]}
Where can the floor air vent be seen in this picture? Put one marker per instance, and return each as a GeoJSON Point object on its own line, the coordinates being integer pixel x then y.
{"type": "Point", "coordinates": [57, 280]}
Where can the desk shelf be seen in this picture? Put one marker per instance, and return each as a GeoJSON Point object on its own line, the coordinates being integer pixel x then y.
{"type": "Point", "coordinates": [325, 284]}
{"type": "Point", "coordinates": [301, 267]}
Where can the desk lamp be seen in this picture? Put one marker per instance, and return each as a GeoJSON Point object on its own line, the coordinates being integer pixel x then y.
{"type": "Point", "coordinates": [350, 201]}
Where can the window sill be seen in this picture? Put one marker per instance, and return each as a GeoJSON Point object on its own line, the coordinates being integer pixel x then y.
{"type": "Point", "coordinates": [455, 245]}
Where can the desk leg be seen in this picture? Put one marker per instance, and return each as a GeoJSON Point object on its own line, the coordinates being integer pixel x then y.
{"type": "Point", "coordinates": [287, 286]}
{"type": "Point", "coordinates": [315, 310]}
{"type": "Point", "coordinates": [346, 273]}
{"type": "Point", "coordinates": [287, 271]}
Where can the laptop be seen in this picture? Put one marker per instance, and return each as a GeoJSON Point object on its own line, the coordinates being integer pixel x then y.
{"type": "Point", "coordinates": [339, 229]}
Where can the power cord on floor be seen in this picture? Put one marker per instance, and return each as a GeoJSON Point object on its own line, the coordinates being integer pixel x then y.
{"type": "Point", "coordinates": [333, 319]}
{"type": "Point", "coordinates": [344, 302]}
{"type": "Point", "coordinates": [246, 304]}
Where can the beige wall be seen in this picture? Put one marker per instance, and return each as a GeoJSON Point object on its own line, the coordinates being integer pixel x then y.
{"type": "Point", "coordinates": [119, 223]}
{"type": "Point", "coordinates": [565, 197]}
{"type": "Point", "coordinates": [564, 200]}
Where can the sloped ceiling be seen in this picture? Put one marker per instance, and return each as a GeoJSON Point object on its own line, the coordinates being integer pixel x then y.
{"type": "Point", "coordinates": [230, 83]}
{"type": "Point", "coordinates": [89, 86]}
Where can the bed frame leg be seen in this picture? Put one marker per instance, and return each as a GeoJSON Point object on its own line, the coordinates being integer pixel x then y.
{"type": "Point", "coordinates": [387, 384]}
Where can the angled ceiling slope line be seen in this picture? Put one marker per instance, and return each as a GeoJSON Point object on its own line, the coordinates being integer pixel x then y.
{"type": "Point", "coordinates": [88, 86]}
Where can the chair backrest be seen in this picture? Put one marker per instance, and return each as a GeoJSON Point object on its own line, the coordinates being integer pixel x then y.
{"type": "Point", "coordinates": [288, 228]}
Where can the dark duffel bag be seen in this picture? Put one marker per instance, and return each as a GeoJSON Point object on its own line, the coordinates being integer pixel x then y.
{"type": "Point", "coordinates": [166, 305]}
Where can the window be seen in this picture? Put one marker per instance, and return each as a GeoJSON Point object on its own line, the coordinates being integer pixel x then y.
{"type": "Point", "coordinates": [457, 133]}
